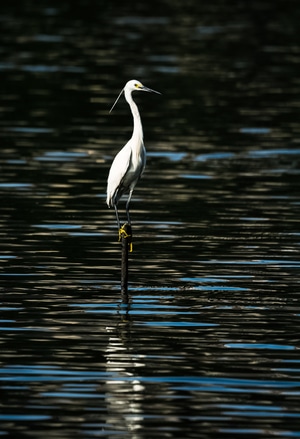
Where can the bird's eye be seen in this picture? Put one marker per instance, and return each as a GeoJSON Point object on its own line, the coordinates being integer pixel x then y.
{"type": "Point", "coordinates": [136, 85]}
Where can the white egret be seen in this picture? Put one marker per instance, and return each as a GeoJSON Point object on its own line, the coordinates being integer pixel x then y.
{"type": "Point", "coordinates": [129, 163]}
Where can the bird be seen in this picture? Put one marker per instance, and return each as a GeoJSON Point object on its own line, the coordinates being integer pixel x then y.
{"type": "Point", "coordinates": [129, 163]}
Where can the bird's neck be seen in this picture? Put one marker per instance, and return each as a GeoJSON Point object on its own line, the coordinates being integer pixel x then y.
{"type": "Point", "coordinates": [137, 124]}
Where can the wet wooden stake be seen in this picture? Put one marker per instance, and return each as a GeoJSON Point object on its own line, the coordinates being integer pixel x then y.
{"type": "Point", "coordinates": [126, 240]}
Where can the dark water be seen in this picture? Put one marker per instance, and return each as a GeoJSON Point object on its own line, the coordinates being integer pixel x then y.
{"type": "Point", "coordinates": [207, 344]}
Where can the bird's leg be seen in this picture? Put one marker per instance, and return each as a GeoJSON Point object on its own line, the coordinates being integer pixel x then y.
{"type": "Point", "coordinates": [125, 231]}
{"type": "Point", "coordinates": [117, 216]}
{"type": "Point", "coordinates": [127, 207]}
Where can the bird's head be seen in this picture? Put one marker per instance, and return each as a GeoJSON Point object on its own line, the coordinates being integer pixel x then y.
{"type": "Point", "coordinates": [134, 85]}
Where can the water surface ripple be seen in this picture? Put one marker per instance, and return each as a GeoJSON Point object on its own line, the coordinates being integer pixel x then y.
{"type": "Point", "coordinates": [206, 343]}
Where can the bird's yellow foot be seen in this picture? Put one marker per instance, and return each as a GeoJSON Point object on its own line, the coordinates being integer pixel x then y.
{"type": "Point", "coordinates": [123, 234]}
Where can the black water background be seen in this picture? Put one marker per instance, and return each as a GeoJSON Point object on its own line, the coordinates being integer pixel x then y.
{"type": "Point", "coordinates": [208, 345]}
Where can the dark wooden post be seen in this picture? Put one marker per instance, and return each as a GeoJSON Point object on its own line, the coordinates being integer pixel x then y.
{"type": "Point", "coordinates": [126, 241]}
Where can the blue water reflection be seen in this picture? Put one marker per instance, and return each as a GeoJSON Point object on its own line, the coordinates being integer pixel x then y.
{"type": "Point", "coordinates": [206, 342]}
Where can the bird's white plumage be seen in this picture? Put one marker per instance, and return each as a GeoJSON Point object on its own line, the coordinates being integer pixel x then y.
{"type": "Point", "coordinates": [129, 164]}
{"type": "Point", "coordinates": [125, 172]}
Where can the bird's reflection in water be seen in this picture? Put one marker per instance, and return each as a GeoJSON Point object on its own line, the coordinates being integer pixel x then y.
{"type": "Point", "coordinates": [125, 393]}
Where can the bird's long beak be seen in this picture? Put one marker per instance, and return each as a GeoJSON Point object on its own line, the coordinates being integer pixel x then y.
{"type": "Point", "coordinates": [116, 100]}
{"type": "Point", "coordinates": [149, 90]}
